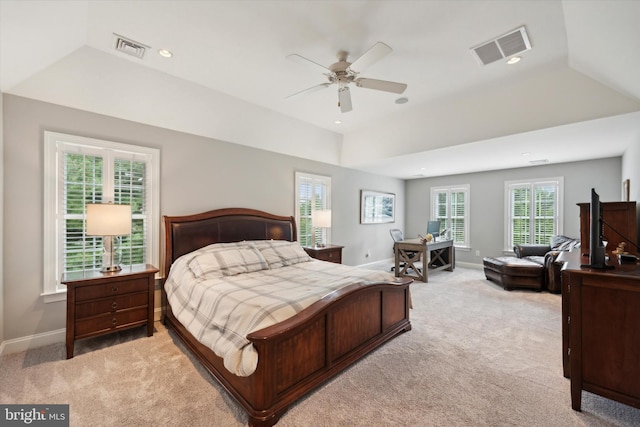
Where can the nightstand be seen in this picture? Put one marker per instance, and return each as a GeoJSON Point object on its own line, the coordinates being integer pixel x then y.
{"type": "Point", "coordinates": [331, 253]}
{"type": "Point", "coordinates": [102, 303]}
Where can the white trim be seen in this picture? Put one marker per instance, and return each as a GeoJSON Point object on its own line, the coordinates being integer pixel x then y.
{"type": "Point", "coordinates": [55, 291]}
{"type": "Point", "coordinates": [474, 265]}
{"type": "Point", "coordinates": [557, 180]}
{"type": "Point", "coordinates": [390, 260]}
{"type": "Point", "coordinates": [59, 295]}
{"type": "Point", "coordinates": [323, 179]}
{"type": "Point", "coordinates": [464, 188]}
{"type": "Point", "coordinates": [29, 342]}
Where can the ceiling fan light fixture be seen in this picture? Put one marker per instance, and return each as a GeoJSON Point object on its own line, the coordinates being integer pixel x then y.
{"type": "Point", "coordinates": [343, 73]}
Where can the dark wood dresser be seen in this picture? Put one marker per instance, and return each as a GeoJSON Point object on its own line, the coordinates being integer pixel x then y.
{"type": "Point", "coordinates": [101, 303]}
{"type": "Point", "coordinates": [619, 217]}
{"type": "Point", "coordinates": [331, 253]}
{"type": "Point", "coordinates": [601, 329]}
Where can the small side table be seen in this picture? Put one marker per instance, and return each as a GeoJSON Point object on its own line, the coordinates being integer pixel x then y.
{"type": "Point", "coordinates": [102, 303]}
{"type": "Point", "coordinates": [331, 253]}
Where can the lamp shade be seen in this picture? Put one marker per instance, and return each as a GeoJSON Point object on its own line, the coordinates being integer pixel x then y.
{"type": "Point", "coordinates": [321, 219]}
{"type": "Point", "coordinates": [107, 219]}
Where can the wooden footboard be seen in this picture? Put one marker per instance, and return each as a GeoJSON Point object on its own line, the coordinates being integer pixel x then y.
{"type": "Point", "coordinates": [301, 353]}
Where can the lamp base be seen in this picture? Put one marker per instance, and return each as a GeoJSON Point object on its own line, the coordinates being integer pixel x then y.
{"type": "Point", "coordinates": [110, 269]}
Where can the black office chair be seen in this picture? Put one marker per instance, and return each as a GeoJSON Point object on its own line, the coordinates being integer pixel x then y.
{"type": "Point", "coordinates": [396, 235]}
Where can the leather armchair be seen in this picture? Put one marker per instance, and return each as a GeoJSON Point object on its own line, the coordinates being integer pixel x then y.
{"type": "Point", "coordinates": [524, 251]}
{"type": "Point", "coordinates": [546, 256]}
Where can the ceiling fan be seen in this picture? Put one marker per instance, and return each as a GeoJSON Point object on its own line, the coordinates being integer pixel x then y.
{"type": "Point", "coordinates": [343, 72]}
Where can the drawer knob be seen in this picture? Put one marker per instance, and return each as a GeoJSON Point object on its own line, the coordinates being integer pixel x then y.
{"type": "Point", "coordinates": [114, 305]}
{"type": "Point", "coordinates": [114, 289]}
{"type": "Point", "coordinates": [114, 321]}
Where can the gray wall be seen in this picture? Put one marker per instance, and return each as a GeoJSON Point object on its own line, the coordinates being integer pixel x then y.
{"type": "Point", "coordinates": [488, 204]}
{"type": "Point", "coordinates": [631, 171]}
{"type": "Point", "coordinates": [197, 174]}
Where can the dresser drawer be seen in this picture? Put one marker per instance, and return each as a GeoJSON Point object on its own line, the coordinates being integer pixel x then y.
{"type": "Point", "coordinates": [121, 287]}
{"type": "Point", "coordinates": [111, 305]}
{"type": "Point", "coordinates": [110, 321]}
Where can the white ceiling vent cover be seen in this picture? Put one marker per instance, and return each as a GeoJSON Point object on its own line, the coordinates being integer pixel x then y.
{"type": "Point", "coordinates": [128, 46]}
{"type": "Point", "coordinates": [501, 47]}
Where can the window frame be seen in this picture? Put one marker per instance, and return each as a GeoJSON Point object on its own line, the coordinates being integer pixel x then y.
{"type": "Point", "coordinates": [557, 181]}
{"type": "Point", "coordinates": [316, 180]}
{"type": "Point", "coordinates": [448, 189]}
{"type": "Point", "coordinates": [54, 143]}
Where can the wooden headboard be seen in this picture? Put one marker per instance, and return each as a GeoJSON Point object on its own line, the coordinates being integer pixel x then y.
{"type": "Point", "coordinates": [184, 234]}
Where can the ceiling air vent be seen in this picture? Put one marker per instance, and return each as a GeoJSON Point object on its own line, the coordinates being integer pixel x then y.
{"type": "Point", "coordinates": [128, 46]}
{"type": "Point", "coordinates": [502, 47]}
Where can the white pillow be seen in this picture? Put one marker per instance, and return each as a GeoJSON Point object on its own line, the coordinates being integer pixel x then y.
{"type": "Point", "coordinates": [227, 261]}
{"type": "Point", "coordinates": [280, 253]}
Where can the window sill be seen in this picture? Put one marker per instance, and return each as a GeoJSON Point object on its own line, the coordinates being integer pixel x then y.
{"type": "Point", "coordinates": [59, 295]}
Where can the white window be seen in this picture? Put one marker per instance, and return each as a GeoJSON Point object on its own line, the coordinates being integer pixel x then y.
{"type": "Point", "coordinates": [450, 206]}
{"type": "Point", "coordinates": [82, 170]}
{"type": "Point", "coordinates": [313, 192]}
{"type": "Point", "coordinates": [533, 211]}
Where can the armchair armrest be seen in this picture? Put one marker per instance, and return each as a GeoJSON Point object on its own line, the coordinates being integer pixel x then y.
{"type": "Point", "coordinates": [553, 270]}
{"type": "Point", "coordinates": [522, 251]}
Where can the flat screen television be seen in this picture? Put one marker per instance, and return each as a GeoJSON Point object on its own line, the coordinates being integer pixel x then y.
{"type": "Point", "coordinates": [597, 255]}
{"type": "Point", "coordinates": [433, 228]}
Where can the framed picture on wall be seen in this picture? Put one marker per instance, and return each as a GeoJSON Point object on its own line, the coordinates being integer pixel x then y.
{"type": "Point", "coordinates": [626, 191]}
{"type": "Point", "coordinates": [377, 207]}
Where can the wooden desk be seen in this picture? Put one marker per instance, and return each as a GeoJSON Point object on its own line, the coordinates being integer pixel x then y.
{"type": "Point", "coordinates": [435, 255]}
{"type": "Point", "coordinates": [601, 329]}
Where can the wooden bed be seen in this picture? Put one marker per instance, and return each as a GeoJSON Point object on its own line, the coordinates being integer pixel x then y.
{"type": "Point", "coordinates": [299, 354]}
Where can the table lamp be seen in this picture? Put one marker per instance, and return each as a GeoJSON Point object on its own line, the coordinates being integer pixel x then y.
{"type": "Point", "coordinates": [110, 221]}
{"type": "Point", "coordinates": [321, 219]}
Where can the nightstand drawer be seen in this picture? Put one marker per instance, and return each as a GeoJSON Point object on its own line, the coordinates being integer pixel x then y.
{"type": "Point", "coordinates": [120, 319]}
{"type": "Point", "coordinates": [121, 287]}
{"type": "Point", "coordinates": [332, 256]}
{"type": "Point", "coordinates": [330, 253]}
{"type": "Point", "coordinates": [111, 305]}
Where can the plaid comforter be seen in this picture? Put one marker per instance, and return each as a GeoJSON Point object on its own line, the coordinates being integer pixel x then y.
{"type": "Point", "coordinates": [221, 309]}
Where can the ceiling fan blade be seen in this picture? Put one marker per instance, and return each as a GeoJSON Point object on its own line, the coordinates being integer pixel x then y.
{"type": "Point", "coordinates": [381, 85]}
{"type": "Point", "coordinates": [374, 54]}
{"type": "Point", "coordinates": [344, 99]}
{"type": "Point", "coordinates": [308, 63]}
{"type": "Point", "coordinates": [309, 90]}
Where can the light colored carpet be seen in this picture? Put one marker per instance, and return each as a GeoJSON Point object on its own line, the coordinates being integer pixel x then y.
{"type": "Point", "coordinates": [477, 356]}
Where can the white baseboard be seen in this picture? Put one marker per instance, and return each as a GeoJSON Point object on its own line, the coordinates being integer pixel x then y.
{"type": "Point", "coordinates": [389, 260]}
{"type": "Point", "coordinates": [469, 265]}
{"type": "Point", "coordinates": [32, 341]}
{"type": "Point", "coordinates": [18, 345]}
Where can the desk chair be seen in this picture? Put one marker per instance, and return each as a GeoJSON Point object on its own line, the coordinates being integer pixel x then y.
{"type": "Point", "coordinates": [397, 236]}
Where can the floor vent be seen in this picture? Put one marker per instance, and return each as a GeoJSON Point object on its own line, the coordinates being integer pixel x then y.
{"type": "Point", "coordinates": [502, 47]}
{"type": "Point", "coordinates": [128, 46]}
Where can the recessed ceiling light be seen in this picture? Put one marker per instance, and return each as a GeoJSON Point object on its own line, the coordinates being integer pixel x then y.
{"type": "Point", "coordinates": [338, 122]}
{"type": "Point", "coordinates": [165, 53]}
{"type": "Point", "coordinates": [526, 154]}
{"type": "Point", "coordinates": [402, 100]}
{"type": "Point", "coordinates": [513, 60]}
{"type": "Point", "coordinates": [539, 161]}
